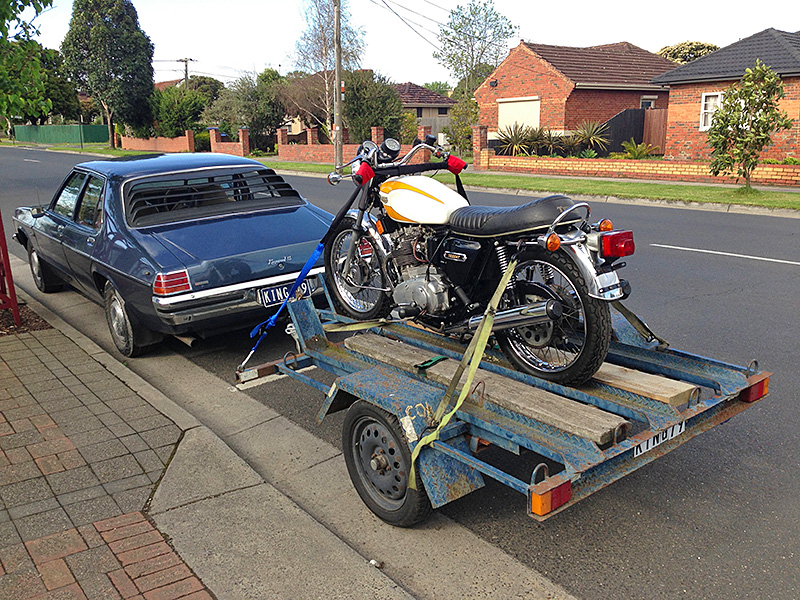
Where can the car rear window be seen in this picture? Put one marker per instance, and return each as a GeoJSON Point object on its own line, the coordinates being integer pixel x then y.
{"type": "Point", "coordinates": [197, 194]}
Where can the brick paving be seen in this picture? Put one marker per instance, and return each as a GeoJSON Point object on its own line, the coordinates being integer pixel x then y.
{"type": "Point", "coordinates": [80, 454]}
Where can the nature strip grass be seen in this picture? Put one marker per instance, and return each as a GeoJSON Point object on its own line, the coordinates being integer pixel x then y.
{"type": "Point", "coordinates": [620, 189]}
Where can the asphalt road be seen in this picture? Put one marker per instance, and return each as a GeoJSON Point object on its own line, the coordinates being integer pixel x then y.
{"type": "Point", "coordinates": [718, 518]}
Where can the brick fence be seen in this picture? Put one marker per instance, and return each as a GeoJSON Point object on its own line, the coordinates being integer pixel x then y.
{"type": "Point", "coordinates": [184, 143]}
{"type": "Point", "coordinates": [240, 148]}
{"type": "Point", "coordinates": [664, 170]}
{"type": "Point", "coordinates": [313, 151]}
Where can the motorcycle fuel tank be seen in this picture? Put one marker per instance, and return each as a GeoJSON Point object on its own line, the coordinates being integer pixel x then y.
{"type": "Point", "coordinates": [419, 199]}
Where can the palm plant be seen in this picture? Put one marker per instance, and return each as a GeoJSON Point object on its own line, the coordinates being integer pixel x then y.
{"type": "Point", "coordinates": [592, 134]}
{"type": "Point", "coordinates": [551, 141]}
{"type": "Point", "coordinates": [637, 151]}
{"type": "Point", "coordinates": [514, 140]}
{"type": "Point", "coordinates": [536, 139]}
{"type": "Point", "coordinates": [570, 144]}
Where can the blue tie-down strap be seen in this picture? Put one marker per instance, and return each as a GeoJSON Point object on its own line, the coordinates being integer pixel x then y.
{"type": "Point", "coordinates": [261, 329]}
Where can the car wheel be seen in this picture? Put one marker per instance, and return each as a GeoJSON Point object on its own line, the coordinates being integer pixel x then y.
{"type": "Point", "coordinates": [43, 275]}
{"type": "Point", "coordinates": [130, 337]}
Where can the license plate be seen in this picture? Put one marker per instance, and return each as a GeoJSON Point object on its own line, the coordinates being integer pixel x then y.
{"type": "Point", "coordinates": [659, 439]}
{"type": "Point", "coordinates": [275, 295]}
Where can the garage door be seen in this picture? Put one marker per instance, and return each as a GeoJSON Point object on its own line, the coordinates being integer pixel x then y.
{"type": "Point", "coordinates": [524, 111]}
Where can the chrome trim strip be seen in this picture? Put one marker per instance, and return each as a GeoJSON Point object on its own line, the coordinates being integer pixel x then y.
{"type": "Point", "coordinates": [258, 283]}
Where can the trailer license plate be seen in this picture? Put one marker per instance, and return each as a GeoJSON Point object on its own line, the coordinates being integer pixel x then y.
{"type": "Point", "coordinates": [660, 438]}
{"type": "Point", "coordinates": [275, 295]}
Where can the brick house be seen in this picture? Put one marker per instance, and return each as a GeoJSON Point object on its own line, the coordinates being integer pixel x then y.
{"type": "Point", "coordinates": [431, 108]}
{"type": "Point", "coordinates": [696, 89]}
{"type": "Point", "coordinates": [559, 87]}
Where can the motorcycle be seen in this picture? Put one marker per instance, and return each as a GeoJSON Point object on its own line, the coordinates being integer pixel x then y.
{"type": "Point", "coordinates": [416, 249]}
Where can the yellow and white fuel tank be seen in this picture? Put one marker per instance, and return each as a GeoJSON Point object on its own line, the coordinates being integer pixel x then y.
{"type": "Point", "coordinates": [419, 199]}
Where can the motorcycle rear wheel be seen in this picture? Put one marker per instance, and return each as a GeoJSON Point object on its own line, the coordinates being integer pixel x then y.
{"type": "Point", "coordinates": [358, 294]}
{"type": "Point", "coordinates": [570, 349]}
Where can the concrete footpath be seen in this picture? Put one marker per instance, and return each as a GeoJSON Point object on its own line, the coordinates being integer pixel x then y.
{"type": "Point", "coordinates": [110, 489]}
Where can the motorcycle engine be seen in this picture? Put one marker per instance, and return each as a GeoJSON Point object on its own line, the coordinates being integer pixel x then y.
{"type": "Point", "coordinates": [422, 287]}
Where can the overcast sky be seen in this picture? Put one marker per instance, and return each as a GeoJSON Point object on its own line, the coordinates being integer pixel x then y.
{"type": "Point", "coordinates": [228, 37]}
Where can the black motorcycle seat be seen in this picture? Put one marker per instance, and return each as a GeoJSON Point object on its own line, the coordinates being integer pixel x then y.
{"type": "Point", "coordinates": [490, 221]}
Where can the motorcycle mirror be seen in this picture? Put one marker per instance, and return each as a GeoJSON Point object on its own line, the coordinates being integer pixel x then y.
{"type": "Point", "coordinates": [334, 178]}
{"type": "Point", "coordinates": [430, 140]}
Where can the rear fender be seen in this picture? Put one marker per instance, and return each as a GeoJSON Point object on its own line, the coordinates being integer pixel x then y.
{"type": "Point", "coordinates": [594, 282]}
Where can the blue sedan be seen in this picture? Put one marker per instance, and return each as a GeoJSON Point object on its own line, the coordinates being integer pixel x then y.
{"type": "Point", "coordinates": [182, 244]}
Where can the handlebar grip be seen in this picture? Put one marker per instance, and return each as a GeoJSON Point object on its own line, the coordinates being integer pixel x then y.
{"type": "Point", "coordinates": [410, 169]}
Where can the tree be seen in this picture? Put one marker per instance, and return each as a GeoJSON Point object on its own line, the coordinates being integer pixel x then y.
{"type": "Point", "coordinates": [371, 102]}
{"type": "Point", "coordinates": [58, 89]}
{"type": "Point", "coordinates": [110, 58]}
{"type": "Point", "coordinates": [745, 122]}
{"type": "Point", "coordinates": [251, 101]}
{"type": "Point", "coordinates": [315, 53]}
{"type": "Point", "coordinates": [305, 96]}
{"type": "Point", "coordinates": [208, 86]}
{"type": "Point", "coordinates": [463, 116]}
{"type": "Point", "coordinates": [475, 34]}
{"type": "Point", "coordinates": [176, 109]}
{"type": "Point", "coordinates": [440, 87]}
{"type": "Point", "coordinates": [686, 51]}
{"type": "Point", "coordinates": [22, 84]}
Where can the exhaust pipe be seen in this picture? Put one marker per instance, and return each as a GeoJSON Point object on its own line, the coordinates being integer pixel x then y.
{"type": "Point", "coordinates": [522, 316]}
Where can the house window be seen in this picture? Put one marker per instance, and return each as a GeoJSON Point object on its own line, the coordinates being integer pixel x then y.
{"type": "Point", "coordinates": [709, 105]}
{"type": "Point", "coordinates": [648, 102]}
{"type": "Point", "coordinates": [443, 110]}
{"type": "Point", "coordinates": [419, 113]}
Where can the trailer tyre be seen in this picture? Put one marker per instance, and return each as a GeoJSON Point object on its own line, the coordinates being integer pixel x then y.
{"type": "Point", "coordinates": [379, 462]}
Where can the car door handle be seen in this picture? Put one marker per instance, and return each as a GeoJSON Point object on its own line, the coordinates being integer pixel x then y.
{"type": "Point", "coordinates": [60, 228]}
{"type": "Point", "coordinates": [90, 240]}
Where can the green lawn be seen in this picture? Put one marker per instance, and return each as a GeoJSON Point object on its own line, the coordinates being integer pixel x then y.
{"type": "Point", "coordinates": [621, 189]}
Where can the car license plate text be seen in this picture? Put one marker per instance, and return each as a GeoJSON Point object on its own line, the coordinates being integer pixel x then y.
{"type": "Point", "coordinates": [275, 295]}
{"type": "Point", "coordinates": [659, 438]}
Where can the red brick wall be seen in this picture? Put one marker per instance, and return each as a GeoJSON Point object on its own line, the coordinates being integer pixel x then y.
{"type": "Point", "coordinates": [184, 143]}
{"type": "Point", "coordinates": [686, 141]}
{"type": "Point", "coordinates": [601, 105]}
{"type": "Point", "coordinates": [563, 106]}
{"type": "Point", "coordinates": [240, 148]}
{"type": "Point", "coordinates": [523, 74]}
{"type": "Point", "coordinates": [667, 170]}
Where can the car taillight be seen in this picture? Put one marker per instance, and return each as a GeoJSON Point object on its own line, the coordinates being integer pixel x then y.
{"type": "Point", "coordinates": [171, 283]}
{"type": "Point", "coordinates": [617, 244]}
{"type": "Point", "coordinates": [548, 501]}
{"type": "Point", "coordinates": [756, 390]}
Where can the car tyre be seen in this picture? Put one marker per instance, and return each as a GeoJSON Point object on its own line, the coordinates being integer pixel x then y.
{"type": "Point", "coordinates": [43, 275]}
{"type": "Point", "coordinates": [130, 337]}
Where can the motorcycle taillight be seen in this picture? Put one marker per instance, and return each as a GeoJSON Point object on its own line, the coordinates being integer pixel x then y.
{"type": "Point", "coordinates": [617, 244]}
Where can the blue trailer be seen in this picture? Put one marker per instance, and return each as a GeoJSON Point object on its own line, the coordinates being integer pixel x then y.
{"type": "Point", "coordinates": [408, 452]}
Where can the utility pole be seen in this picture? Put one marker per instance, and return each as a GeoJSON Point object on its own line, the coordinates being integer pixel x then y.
{"type": "Point", "coordinates": [338, 90]}
{"type": "Point", "coordinates": [185, 62]}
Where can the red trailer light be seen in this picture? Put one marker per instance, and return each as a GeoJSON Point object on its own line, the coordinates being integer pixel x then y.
{"type": "Point", "coordinates": [364, 248]}
{"type": "Point", "coordinates": [756, 391]}
{"type": "Point", "coordinates": [171, 283]}
{"type": "Point", "coordinates": [617, 244]}
{"type": "Point", "coordinates": [542, 504]}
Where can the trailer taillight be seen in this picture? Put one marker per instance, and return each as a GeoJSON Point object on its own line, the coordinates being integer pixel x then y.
{"type": "Point", "coordinates": [547, 502]}
{"type": "Point", "coordinates": [617, 244]}
{"type": "Point", "coordinates": [755, 391]}
{"type": "Point", "coordinates": [171, 283]}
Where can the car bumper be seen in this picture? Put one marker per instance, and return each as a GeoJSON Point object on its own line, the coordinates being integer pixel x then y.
{"type": "Point", "coordinates": [212, 309]}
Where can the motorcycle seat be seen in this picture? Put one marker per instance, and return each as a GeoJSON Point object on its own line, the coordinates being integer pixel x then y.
{"type": "Point", "coordinates": [491, 221]}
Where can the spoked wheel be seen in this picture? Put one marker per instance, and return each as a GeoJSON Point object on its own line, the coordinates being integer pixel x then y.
{"type": "Point", "coordinates": [361, 291]}
{"type": "Point", "coordinates": [567, 350]}
{"type": "Point", "coordinates": [379, 462]}
{"type": "Point", "coordinates": [43, 275]}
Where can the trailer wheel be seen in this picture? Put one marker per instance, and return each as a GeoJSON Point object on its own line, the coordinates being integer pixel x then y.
{"type": "Point", "coordinates": [379, 462]}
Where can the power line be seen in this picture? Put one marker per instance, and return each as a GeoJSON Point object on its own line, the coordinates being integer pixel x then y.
{"type": "Point", "coordinates": [411, 27]}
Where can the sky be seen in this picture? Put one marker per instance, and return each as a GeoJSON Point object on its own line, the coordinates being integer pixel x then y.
{"type": "Point", "coordinates": [226, 38]}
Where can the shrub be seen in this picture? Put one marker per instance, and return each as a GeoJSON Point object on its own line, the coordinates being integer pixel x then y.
{"type": "Point", "coordinates": [515, 140]}
{"type": "Point", "coordinates": [636, 151]}
{"type": "Point", "coordinates": [202, 141]}
{"type": "Point", "coordinates": [770, 161]}
{"type": "Point", "coordinates": [588, 153]}
{"type": "Point", "coordinates": [570, 145]}
{"type": "Point", "coordinates": [791, 160]}
{"type": "Point", "coordinates": [592, 134]}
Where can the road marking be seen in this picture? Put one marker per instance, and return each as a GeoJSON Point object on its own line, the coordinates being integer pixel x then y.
{"type": "Point", "coordinates": [30, 160]}
{"type": "Point", "coordinates": [761, 258]}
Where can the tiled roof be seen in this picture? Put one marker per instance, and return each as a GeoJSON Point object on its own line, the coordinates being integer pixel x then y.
{"type": "Point", "coordinates": [614, 65]}
{"type": "Point", "coordinates": [162, 85]}
{"type": "Point", "coordinates": [412, 94]}
{"type": "Point", "coordinates": [779, 50]}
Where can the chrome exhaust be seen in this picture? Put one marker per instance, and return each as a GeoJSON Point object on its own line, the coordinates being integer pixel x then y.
{"type": "Point", "coordinates": [522, 316]}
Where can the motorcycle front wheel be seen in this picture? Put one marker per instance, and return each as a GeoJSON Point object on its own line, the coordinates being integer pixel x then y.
{"type": "Point", "coordinates": [359, 292]}
{"type": "Point", "coordinates": [567, 350]}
